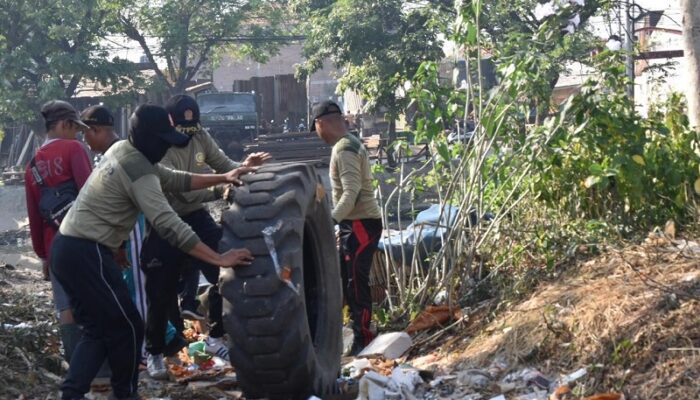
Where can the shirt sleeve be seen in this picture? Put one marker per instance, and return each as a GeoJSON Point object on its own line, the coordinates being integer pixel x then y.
{"type": "Point", "coordinates": [36, 222]}
{"type": "Point", "coordinates": [80, 165]}
{"type": "Point", "coordinates": [173, 180]}
{"type": "Point", "coordinates": [152, 202]}
{"type": "Point", "coordinates": [216, 158]}
{"type": "Point", "coordinates": [351, 182]}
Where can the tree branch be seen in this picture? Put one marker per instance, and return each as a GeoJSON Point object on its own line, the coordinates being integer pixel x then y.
{"type": "Point", "coordinates": [133, 33]}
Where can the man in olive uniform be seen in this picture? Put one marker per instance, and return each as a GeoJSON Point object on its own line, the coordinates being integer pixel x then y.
{"type": "Point", "coordinates": [355, 211]}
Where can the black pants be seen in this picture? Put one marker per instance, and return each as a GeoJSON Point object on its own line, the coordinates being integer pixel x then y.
{"type": "Point", "coordinates": [163, 265]}
{"type": "Point", "coordinates": [112, 326]}
{"type": "Point", "coordinates": [359, 240]}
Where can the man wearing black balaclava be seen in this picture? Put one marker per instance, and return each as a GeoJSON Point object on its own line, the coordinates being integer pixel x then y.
{"type": "Point", "coordinates": [200, 154]}
{"type": "Point", "coordinates": [126, 181]}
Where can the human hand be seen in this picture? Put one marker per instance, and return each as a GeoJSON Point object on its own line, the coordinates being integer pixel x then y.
{"type": "Point", "coordinates": [236, 257]}
{"type": "Point", "coordinates": [233, 176]}
{"type": "Point", "coordinates": [256, 159]}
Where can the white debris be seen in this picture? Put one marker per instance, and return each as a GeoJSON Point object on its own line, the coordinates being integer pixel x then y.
{"type": "Point", "coordinates": [543, 11]}
{"type": "Point", "coordinates": [475, 379]}
{"type": "Point", "coordinates": [357, 367]}
{"type": "Point", "coordinates": [440, 379]}
{"type": "Point", "coordinates": [574, 376]}
{"type": "Point", "coordinates": [390, 345]}
{"type": "Point", "coordinates": [406, 378]}
{"type": "Point", "coordinates": [538, 395]}
{"type": "Point", "coordinates": [576, 20]}
{"type": "Point", "coordinates": [400, 386]}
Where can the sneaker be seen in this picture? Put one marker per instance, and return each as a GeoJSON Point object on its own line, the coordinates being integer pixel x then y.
{"type": "Point", "coordinates": [217, 347]}
{"type": "Point", "coordinates": [191, 315]}
{"type": "Point", "coordinates": [156, 367]}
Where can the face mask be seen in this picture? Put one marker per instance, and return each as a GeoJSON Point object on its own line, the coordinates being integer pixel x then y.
{"type": "Point", "coordinates": [150, 145]}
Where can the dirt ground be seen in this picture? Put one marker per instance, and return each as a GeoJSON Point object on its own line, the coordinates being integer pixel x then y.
{"type": "Point", "coordinates": [629, 317]}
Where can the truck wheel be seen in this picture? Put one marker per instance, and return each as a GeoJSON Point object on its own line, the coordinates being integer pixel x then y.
{"type": "Point", "coordinates": [235, 150]}
{"type": "Point", "coordinates": [284, 345]}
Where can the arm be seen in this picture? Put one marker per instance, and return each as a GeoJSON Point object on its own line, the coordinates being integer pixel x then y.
{"type": "Point", "coordinates": [350, 178]}
{"type": "Point", "coordinates": [180, 181]}
{"type": "Point", "coordinates": [192, 197]}
{"type": "Point", "coordinates": [80, 165]}
{"type": "Point", "coordinates": [151, 200]}
{"type": "Point", "coordinates": [36, 223]}
{"type": "Point", "coordinates": [216, 158]}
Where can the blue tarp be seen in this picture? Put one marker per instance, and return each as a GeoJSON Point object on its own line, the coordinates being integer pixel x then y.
{"type": "Point", "coordinates": [426, 233]}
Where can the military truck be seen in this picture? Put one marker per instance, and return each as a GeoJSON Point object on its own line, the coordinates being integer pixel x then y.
{"type": "Point", "coordinates": [232, 118]}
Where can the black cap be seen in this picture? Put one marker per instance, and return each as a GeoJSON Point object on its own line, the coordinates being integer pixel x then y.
{"type": "Point", "coordinates": [323, 108]}
{"type": "Point", "coordinates": [154, 119]}
{"type": "Point", "coordinates": [97, 116]}
{"type": "Point", "coordinates": [59, 110]}
{"type": "Point", "coordinates": [183, 109]}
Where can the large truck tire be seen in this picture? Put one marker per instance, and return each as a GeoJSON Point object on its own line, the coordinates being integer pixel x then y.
{"type": "Point", "coordinates": [284, 345]}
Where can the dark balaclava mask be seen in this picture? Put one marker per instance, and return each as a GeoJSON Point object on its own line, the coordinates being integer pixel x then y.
{"type": "Point", "coordinates": [144, 123]}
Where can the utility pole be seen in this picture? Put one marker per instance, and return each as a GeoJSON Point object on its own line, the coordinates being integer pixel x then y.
{"type": "Point", "coordinates": [629, 46]}
{"type": "Point", "coordinates": [691, 47]}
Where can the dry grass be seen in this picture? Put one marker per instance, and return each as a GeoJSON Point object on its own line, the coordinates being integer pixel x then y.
{"type": "Point", "coordinates": [631, 316]}
{"type": "Point", "coordinates": [30, 357]}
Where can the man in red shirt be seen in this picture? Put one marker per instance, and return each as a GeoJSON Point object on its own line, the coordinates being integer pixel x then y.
{"type": "Point", "coordinates": [60, 159]}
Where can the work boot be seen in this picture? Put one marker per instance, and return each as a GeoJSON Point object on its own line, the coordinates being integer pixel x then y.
{"type": "Point", "coordinates": [217, 347]}
{"type": "Point", "coordinates": [156, 367]}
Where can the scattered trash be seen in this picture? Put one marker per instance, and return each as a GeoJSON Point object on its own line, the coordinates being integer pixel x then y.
{"type": "Point", "coordinates": [499, 397]}
{"type": "Point", "coordinates": [400, 386]}
{"type": "Point", "coordinates": [606, 396]}
{"type": "Point", "coordinates": [474, 378]}
{"type": "Point", "coordinates": [284, 273]}
{"type": "Point", "coordinates": [356, 368]}
{"type": "Point", "coordinates": [25, 325]}
{"type": "Point", "coordinates": [561, 393]}
{"type": "Point", "coordinates": [574, 376]}
{"type": "Point", "coordinates": [389, 345]}
{"type": "Point", "coordinates": [433, 316]}
{"type": "Point", "coordinates": [440, 298]}
{"type": "Point", "coordinates": [537, 395]}
{"type": "Point", "coordinates": [406, 377]}
{"type": "Point", "coordinates": [348, 339]}
{"type": "Point", "coordinates": [198, 352]}
{"type": "Point", "coordinates": [442, 379]}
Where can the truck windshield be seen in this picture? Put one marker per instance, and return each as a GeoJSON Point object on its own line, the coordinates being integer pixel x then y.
{"type": "Point", "coordinates": [226, 102]}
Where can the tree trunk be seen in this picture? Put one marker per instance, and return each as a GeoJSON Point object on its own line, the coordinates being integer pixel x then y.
{"type": "Point", "coordinates": [691, 47]}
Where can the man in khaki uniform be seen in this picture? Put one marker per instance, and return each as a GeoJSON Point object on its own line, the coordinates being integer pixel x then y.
{"type": "Point", "coordinates": [162, 263]}
{"type": "Point", "coordinates": [356, 212]}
